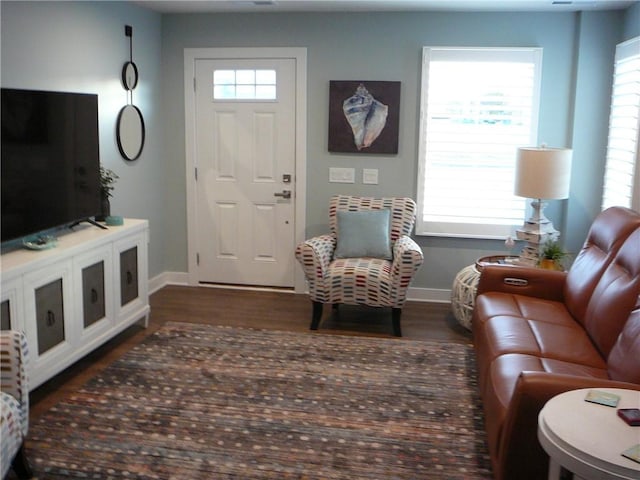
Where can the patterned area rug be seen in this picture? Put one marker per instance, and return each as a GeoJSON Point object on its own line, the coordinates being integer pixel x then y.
{"type": "Point", "coordinates": [207, 402]}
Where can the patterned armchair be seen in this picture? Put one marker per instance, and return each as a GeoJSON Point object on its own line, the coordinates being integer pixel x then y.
{"type": "Point", "coordinates": [14, 403]}
{"type": "Point", "coordinates": [367, 280]}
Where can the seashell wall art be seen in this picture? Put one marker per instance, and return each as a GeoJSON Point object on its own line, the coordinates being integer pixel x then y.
{"type": "Point", "coordinates": [364, 116]}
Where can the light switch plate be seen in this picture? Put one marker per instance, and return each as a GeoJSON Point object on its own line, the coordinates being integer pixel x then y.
{"type": "Point", "coordinates": [342, 175]}
{"type": "Point", "coordinates": [370, 176]}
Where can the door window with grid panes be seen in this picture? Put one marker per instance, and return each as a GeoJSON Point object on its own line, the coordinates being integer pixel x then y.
{"type": "Point", "coordinates": [246, 84]}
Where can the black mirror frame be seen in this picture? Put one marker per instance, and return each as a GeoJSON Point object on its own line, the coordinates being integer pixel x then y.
{"type": "Point", "coordinates": [119, 126]}
{"type": "Point", "coordinates": [129, 81]}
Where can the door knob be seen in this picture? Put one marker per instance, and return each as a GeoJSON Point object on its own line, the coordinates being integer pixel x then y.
{"type": "Point", "coordinates": [284, 194]}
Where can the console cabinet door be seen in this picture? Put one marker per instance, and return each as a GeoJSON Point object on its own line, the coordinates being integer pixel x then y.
{"type": "Point", "coordinates": [93, 294]}
{"type": "Point", "coordinates": [128, 275]}
{"type": "Point", "coordinates": [93, 273]}
{"type": "Point", "coordinates": [5, 315]}
{"type": "Point", "coordinates": [49, 318]}
{"type": "Point", "coordinates": [131, 271]}
{"type": "Point", "coordinates": [49, 315]}
{"type": "Point", "coordinates": [11, 312]}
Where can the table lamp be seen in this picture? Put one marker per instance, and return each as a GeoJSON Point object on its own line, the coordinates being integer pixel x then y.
{"type": "Point", "coordinates": [541, 174]}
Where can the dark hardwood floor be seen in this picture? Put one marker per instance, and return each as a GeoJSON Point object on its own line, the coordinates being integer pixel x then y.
{"type": "Point", "coordinates": [253, 309]}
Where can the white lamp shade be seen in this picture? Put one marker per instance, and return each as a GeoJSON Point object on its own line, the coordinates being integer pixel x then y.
{"type": "Point", "coordinates": [543, 173]}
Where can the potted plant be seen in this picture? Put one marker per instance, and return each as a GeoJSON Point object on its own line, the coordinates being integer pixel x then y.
{"type": "Point", "coordinates": [107, 181]}
{"type": "Point", "coordinates": [552, 255]}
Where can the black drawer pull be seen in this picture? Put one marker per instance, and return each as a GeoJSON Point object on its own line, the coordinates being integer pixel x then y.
{"type": "Point", "coordinates": [51, 318]}
{"type": "Point", "coordinates": [94, 295]}
{"type": "Point", "coordinates": [129, 278]}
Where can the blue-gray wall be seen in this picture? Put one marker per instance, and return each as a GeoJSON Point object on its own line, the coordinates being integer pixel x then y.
{"type": "Point", "coordinates": [81, 46]}
{"type": "Point", "coordinates": [577, 67]}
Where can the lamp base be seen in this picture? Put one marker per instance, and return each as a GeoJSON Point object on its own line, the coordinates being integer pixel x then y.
{"type": "Point", "coordinates": [536, 231]}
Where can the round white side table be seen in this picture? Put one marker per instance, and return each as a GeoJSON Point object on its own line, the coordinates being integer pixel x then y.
{"type": "Point", "coordinates": [587, 438]}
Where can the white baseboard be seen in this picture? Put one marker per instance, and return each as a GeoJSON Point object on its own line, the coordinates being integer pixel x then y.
{"type": "Point", "coordinates": [168, 278]}
{"type": "Point", "coordinates": [415, 294]}
{"type": "Point", "coordinates": [433, 295]}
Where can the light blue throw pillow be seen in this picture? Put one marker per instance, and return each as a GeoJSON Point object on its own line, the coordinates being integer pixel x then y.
{"type": "Point", "coordinates": [363, 234]}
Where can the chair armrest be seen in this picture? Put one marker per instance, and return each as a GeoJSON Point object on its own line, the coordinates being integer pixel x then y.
{"type": "Point", "coordinates": [315, 254]}
{"type": "Point", "coordinates": [13, 378]}
{"type": "Point", "coordinates": [407, 258]}
{"type": "Point", "coordinates": [532, 391]}
{"type": "Point", "coordinates": [536, 282]}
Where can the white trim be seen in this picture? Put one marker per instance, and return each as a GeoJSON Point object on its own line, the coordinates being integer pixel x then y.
{"type": "Point", "coordinates": [300, 56]}
{"type": "Point", "coordinates": [431, 295]}
{"type": "Point", "coordinates": [167, 278]}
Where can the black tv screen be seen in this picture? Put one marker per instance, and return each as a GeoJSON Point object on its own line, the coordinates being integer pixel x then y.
{"type": "Point", "coordinates": [50, 160]}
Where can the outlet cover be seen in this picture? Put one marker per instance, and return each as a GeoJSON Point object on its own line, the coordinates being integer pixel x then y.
{"type": "Point", "coordinates": [342, 175]}
{"type": "Point", "coordinates": [370, 176]}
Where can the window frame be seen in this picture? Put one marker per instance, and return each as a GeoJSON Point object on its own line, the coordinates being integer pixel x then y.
{"type": "Point", "coordinates": [477, 229]}
{"type": "Point", "coordinates": [629, 49]}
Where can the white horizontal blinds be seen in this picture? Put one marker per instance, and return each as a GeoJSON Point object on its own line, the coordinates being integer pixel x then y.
{"type": "Point", "coordinates": [622, 177]}
{"type": "Point", "coordinates": [478, 106]}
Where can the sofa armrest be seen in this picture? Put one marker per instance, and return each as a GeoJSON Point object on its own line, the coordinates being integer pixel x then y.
{"type": "Point", "coordinates": [529, 281]}
{"type": "Point", "coordinates": [519, 432]}
{"type": "Point", "coordinates": [13, 378]}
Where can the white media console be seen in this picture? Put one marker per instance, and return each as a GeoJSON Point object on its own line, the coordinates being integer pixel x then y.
{"type": "Point", "coordinates": [72, 298]}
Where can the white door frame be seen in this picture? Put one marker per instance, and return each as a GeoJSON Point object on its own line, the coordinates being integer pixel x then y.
{"type": "Point", "coordinates": [190, 57]}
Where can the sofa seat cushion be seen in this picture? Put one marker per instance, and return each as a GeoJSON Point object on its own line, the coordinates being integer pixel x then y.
{"type": "Point", "coordinates": [531, 326]}
{"type": "Point", "coordinates": [502, 377]}
{"type": "Point", "coordinates": [494, 304]}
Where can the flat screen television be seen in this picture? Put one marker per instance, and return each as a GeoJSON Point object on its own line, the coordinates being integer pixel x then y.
{"type": "Point", "coordinates": [50, 161]}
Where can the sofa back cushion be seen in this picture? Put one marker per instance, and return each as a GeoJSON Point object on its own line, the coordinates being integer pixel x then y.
{"type": "Point", "coordinates": [624, 360]}
{"type": "Point", "coordinates": [607, 234]}
{"type": "Point", "coordinates": [615, 296]}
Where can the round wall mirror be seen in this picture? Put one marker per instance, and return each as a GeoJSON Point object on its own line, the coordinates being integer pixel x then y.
{"type": "Point", "coordinates": [129, 75]}
{"type": "Point", "coordinates": [130, 132]}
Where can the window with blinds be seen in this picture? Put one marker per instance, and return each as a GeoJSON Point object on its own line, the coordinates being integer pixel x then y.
{"type": "Point", "coordinates": [622, 172]}
{"type": "Point", "coordinates": [478, 106]}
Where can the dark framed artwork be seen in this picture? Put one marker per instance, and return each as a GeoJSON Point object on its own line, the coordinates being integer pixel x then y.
{"type": "Point", "coordinates": [363, 116]}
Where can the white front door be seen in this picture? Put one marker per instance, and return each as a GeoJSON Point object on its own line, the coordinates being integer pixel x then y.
{"type": "Point", "coordinates": [245, 155]}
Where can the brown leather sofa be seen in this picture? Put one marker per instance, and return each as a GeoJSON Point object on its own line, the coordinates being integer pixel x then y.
{"type": "Point", "coordinates": [556, 331]}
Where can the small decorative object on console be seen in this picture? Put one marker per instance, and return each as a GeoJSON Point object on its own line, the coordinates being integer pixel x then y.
{"type": "Point", "coordinates": [40, 242]}
{"type": "Point", "coordinates": [114, 220]}
{"type": "Point", "coordinates": [107, 181]}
